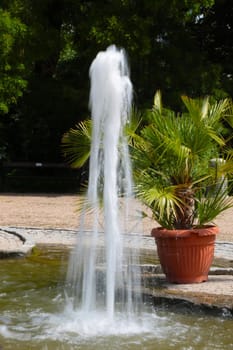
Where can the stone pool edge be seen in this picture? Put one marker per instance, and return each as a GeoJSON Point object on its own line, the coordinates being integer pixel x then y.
{"type": "Point", "coordinates": [215, 294]}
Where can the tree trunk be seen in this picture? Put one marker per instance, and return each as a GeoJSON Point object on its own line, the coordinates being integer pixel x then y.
{"type": "Point", "coordinates": [185, 210]}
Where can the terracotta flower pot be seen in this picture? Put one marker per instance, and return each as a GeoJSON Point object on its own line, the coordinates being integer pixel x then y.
{"type": "Point", "coordinates": [186, 255]}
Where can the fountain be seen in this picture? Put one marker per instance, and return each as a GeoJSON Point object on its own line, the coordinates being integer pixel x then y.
{"type": "Point", "coordinates": [107, 277]}
{"type": "Point", "coordinates": [101, 305]}
{"type": "Point", "coordinates": [32, 316]}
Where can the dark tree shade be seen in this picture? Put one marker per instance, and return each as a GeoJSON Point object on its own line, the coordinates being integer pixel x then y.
{"type": "Point", "coordinates": [178, 46]}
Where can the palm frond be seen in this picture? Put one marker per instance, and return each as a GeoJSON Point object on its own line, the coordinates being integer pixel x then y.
{"type": "Point", "coordinates": [174, 150]}
{"type": "Point", "coordinates": [210, 131]}
{"type": "Point", "coordinates": [197, 108]}
{"type": "Point", "coordinates": [163, 202]}
{"type": "Point", "coordinates": [218, 111]}
{"type": "Point", "coordinates": [208, 116]}
{"type": "Point", "coordinates": [213, 203]}
{"type": "Point", "coordinates": [76, 144]}
{"type": "Point", "coordinates": [228, 117]}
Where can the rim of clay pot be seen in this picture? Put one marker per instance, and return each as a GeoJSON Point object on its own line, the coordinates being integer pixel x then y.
{"type": "Point", "coordinates": [207, 230]}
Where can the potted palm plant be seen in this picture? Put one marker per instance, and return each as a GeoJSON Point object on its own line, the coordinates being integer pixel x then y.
{"type": "Point", "coordinates": [172, 154]}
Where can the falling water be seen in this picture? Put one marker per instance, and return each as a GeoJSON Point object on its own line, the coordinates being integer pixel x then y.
{"type": "Point", "coordinates": [105, 278]}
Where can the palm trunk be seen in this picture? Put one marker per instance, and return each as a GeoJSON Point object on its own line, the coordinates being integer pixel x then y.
{"type": "Point", "coordinates": [185, 210]}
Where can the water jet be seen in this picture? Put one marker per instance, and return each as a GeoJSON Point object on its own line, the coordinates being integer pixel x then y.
{"type": "Point", "coordinates": [97, 277]}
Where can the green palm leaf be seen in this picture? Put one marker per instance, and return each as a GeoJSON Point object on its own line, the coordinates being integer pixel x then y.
{"type": "Point", "coordinates": [212, 204]}
{"type": "Point", "coordinates": [172, 154]}
{"type": "Point", "coordinates": [76, 144]}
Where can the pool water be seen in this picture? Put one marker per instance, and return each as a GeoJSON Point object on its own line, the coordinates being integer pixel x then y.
{"type": "Point", "coordinates": [35, 314]}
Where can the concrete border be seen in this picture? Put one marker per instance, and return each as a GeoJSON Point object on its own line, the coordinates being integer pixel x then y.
{"type": "Point", "coordinates": [217, 292]}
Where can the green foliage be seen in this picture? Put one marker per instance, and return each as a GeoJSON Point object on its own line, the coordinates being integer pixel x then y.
{"type": "Point", "coordinates": [76, 144]}
{"type": "Point", "coordinates": [12, 69]}
{"type": "Point", "coordinates": [172, 154]}
{"type": "Point", "coordinates": [213, 202]}
{"type": "Point", "coordinates": [46, 111]}
{"type": "Point", "coordinates": [215, 35]}
{"type": "Point", "coordinates": [51, 44]}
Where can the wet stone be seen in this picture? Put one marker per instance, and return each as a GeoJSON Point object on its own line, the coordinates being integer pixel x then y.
{"type": "Point", "coordinates": [13, 244]}
{"type": "Point", "coordinates": [217, 292]}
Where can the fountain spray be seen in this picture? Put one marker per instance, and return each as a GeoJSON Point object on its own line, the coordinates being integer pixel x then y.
{"type": "Point", "coordinates": [106, 277]}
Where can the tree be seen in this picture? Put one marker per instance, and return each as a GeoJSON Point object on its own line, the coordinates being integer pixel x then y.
{"type": "Point", "coordinates": [215, 34]}
{"type": "Point", "coordinates": [12, 68]}
{"type": "Point", "coordinates": [162, 39]}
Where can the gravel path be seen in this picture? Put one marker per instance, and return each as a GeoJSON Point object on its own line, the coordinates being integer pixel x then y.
{"type": "Point", "coordinates": [42, 210]}
{"type": "Point", "coordinates": [61, 212]}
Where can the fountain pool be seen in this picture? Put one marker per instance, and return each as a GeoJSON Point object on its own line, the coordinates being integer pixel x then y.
{"type": "Point", "coordinates": [34, 314]}
{"type": "Point", "coordinates": [98, 303]}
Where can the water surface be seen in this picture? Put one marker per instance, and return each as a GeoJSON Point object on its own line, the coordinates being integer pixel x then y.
{"type": "Point", "coordinates": [34, 314]}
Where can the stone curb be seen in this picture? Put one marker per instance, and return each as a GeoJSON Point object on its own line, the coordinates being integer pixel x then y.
{"type": "Point", "coordinates": [216, 293]}
{"type": "Point", "coordinates": [31, 236]}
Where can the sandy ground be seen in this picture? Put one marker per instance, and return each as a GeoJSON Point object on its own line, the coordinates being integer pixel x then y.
{"type": "Point", "coordinates": [42, 210]}
{"type": "Point", "coordinates": [61, 211]}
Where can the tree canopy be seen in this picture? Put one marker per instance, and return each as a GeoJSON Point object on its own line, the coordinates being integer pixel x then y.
{"type": "Point", "coordinates": [12, 68]}
{"type": "Point", "coordinates": [46, 48]}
